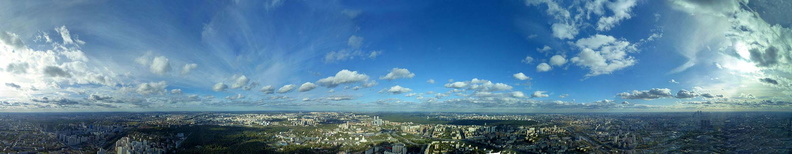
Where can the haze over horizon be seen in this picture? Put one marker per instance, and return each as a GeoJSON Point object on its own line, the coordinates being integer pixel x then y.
{"type": "Point", "coordinates": [467, 56]}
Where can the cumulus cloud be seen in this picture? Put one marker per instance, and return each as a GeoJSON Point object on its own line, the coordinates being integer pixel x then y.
{"type": "Point", "coordinates": [570, 17]}
{"type": "Point", "coordinates": [603, 54]}
{"type": "Point", "coordinates": [456, 85]}
{"type": "Point", "coordinates": [307, 86]}
{"type": "Point", "coordinates": [398, 73]}
{"type": "Point", "coordinates": [564, 31]}
{"type": "Point", "coordinates": [521, 76]}
{"type": "Point", "coordinates": [160, 65]}
{"type": "Point", "coordinates": [686, 94]}
{"type": "Point", "coordinates": [708, 95]}
{"type": "Point", "coordinates": [621, 10]}
{"type": "Point", "coordinates": [235, 97]}
{"type": "Point", "coordinates": [653, 93]}
{"type": "Point", "coordinates": [219, 87]}
{"type": "Point", "coordinates": [176, 91]}
{"type": "Point", "coordinates": [539, 94]}
{"type": "Point", "coordinates": [543, 49]}
{"type": "Point", "coordinates": [188, 68]}
{"type": "Point", "coordinates": [600, 54]}
{"type": "Point", "coordinates": [673, 81]}
{"type": "Point", "coordinates": [479, 85]}
{"type": "Point", "coordinates": [12, 40]}
{"type": "Point", "coordinates": [342, 77]}
{"type": "Point", "coordinates": [769, 81]}
{"type": "Point", "coordinates": [152, 88]}
{"type": "Point", "coordinates": [558, 60]}
{"type": "Point", "coordinates": [62, 64]}
{"type": "Point", "coordinates": [56, 101]}
{"type": "Point", "coordinates": [54, 71]}
{"type": "Point", "coordinates": [431, 81]}
{"type": "Point", "coordinates": [527, 59]}
{"type": "Point", "coordinates": [17, 68]}
{"type": "Point", "coordinates": [95, 97]}
{"type": "Point", "coordinates": [241, 81]}
{"type": "Point", "coordinates": [738, 29]}
{"type": "Point", "coordinates": [398, 90]}
{"type": "Point", "coordinates": [518, 94]}
{"type": "Point", "coordinates": [13, 85]}
{"type": "Point", "coordinates": [286, 88]}
{"type": "Point", "coordinates": [563, 95]}
{"type": "Point", "coordinates": [250, 86]}
{"type": "Point", "coordinates": [269, 89]}
{"type": "Point", "coordinates": [543, 67]}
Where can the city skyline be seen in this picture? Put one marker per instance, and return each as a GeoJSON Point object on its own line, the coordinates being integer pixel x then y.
{"type": "Point", "coordinates": [459, 56]}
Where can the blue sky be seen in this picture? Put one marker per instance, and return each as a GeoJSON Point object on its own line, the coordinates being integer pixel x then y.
{"type": "Point", "coordinates": [470, 56]}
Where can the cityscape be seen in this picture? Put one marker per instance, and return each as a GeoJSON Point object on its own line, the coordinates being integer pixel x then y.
{"type": "Point", "coordinates": [392, 132]}
{"type": "Point", "coordinates": [395, 77]}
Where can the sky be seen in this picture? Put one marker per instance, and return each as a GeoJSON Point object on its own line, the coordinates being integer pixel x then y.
{"type": "Point", "coordinates": [384, 55]}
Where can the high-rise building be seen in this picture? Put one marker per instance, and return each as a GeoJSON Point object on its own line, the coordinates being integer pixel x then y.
{"type": "Point", "coordinates": [377, 121]}
{"type": "Point", "coordinates": [399, 148]}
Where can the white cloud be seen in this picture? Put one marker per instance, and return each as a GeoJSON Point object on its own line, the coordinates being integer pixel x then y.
{"type": "Point", "coordinates": [250, 86]}
{"type": "Point", "coordinates": [188, 68]}
{"type": "Point", "coordinates": [267, 89]}
{"type": "Point", "coordinates": [176, 91]}
{"type": "Point", "coordinates": [241, 81]}
{"type": "Point", "coordinates": [544, 49]}
{"type": "Point", "coordinates": [235, 97]}
{"type": "Point", "coordinates": [398, 90]}
{"type": "Point", "coordinates": [653, 93]}
{"type": "Point", "coordinates": [456, 85]}
{"type": "Point", "coordinates": [479, 85]}
{"type": "Point", "coordinates": [521, 76]}
{"type": "Point", "coordinates": [673, 81]}
{"type": "Point", "coordinates": [67, 39]}
{"type": "Point", "coordinates": [606, 54]}
{"type": "Point", "coordinates": [371, 83]}
{"type": "Point", "coordinates": [307, 86]}
{"type": "Point", "coordinates": [219, 87]}
{"type": "Point", "coordinates": [160, 65]}
{"type": "Point", "coordinates": [543, 67]}
{"type": "Point", "coordinates": [12, 40]}
{"type": "Point", "coordinates": [342, 77]}
{"type": "Point", "coordinates": [500, 87]}
{"type": "Point", "coordinates": [686, 94]}
{"type": "Point", "coordinates": [621, 10]}
{"type": "Point", "coordinates": [518, 94]}
{"type": "Point", "coordinates": [594, 42]}
{"type": "Point", "coordinates": [431, 81]}
{"type": "Point", "coordinates": [563, 95]}
{"type": "Point", "coordinates": [13, 85]}
{"type": "Point", "coordinates": [152, 88]}
{"type": "Point", "coordinates": [527, 59]}
{"type": "Point", "coordinates": [539, 94]}
{"type": "Point", "coordinates": [54, 71]}
{"type": "Point", "coordinates": [286, 88]}
{"type": "Point", "coordinates": [557, 60]}
{"type": "Point", "coordinates": [564, 31]}
{"type": "Point", "coordinates": [397, 73]}
{"type": "Point", "coordinates": [611, 55]}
